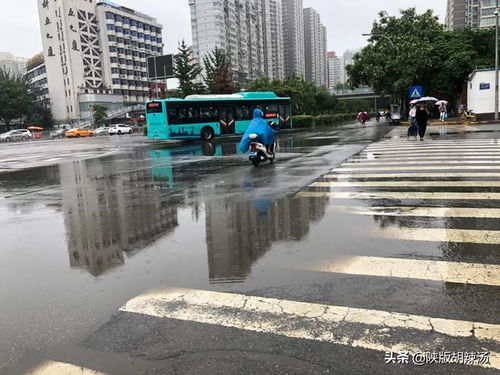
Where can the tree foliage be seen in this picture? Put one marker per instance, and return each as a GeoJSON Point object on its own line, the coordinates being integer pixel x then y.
{"type": "Point", "coordinates": [218, 75]}
{"type": "Point", "coordinates": [307, 97]}
{"type": "Point", "coordinates": [100, 114]}
{"type": "Point", "coordinates": [186, 70]}
{"type": "Point", "coordinates": [16, 98]}
{"type": "Point", "coordinates": [414, 49]}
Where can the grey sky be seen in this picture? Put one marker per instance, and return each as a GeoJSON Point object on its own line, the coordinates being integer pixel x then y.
{"type": "Point", "coordinates": [345, 20]}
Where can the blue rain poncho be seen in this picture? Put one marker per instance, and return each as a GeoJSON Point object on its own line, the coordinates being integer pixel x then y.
{"type": "Point", "coordinates": [261, 128]}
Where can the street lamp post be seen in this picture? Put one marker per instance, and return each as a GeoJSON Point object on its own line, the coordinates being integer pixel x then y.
{"type": "Point", "coordinates": [496, 61]}
{"type": "Point", "coordinates": [383, 36]}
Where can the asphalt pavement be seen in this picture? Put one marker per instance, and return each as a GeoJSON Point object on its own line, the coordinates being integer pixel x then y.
{"type": "Point", "coordinates": [358, 252]}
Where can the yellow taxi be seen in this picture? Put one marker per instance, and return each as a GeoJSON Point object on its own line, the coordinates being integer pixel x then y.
{"type": "Point", "coordinates": [79, 132]}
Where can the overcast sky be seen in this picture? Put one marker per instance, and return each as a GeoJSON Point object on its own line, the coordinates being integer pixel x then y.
{"type": "Point", "coordinates": [345, 20]}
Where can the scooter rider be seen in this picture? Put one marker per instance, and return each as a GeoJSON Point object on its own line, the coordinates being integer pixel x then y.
{"type": "Point", "coordinates": [264, 132]}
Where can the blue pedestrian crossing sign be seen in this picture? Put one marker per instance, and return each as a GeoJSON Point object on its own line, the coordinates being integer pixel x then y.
{"type": "Point", "coordinates": [416, 92]}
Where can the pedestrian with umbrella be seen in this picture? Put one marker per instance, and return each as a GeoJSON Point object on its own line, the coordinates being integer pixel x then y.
{"type": "Point", "coordinates": [423, 113]}
{"type": "Point", "coordinates": [443, 111]}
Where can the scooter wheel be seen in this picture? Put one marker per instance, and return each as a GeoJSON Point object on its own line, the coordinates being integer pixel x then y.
{"type": "Point", "coordinates": [255, 162]}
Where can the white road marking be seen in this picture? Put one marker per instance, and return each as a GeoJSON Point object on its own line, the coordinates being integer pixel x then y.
{"type": "Point", "coordinates": [399, 195]}
{"type": "Point", "coordinates": [354, 162]}
{"type": "Point", "coordinates": [413, 211]}
{"type": "Point", "coordinates": [411, 175]}
{"type": "Point", "coordinates": [60, 368]}
{"type": "Point", "coordinates": [473, 236]}
{"type": "Point", "coordinates": [407, 183]}
{"type": "Point", "coordinates": [434, 147]}
{"type": "Point", "coordinates": [449, 272]}
{"type": "Point", "coordinates": [458, 151]}
{"type": "Point", "coordinates": [423, 158]}
{"type": "Point", "coordinates": [308, 321]}
{"type": "Point", "coordinates": [416, 168]}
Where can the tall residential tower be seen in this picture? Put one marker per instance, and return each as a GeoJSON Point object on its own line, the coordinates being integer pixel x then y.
{"type": "Point", "coordinates": [293, 31]}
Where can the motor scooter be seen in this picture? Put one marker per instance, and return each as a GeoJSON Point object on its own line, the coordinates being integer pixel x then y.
{"type": "Point", "coordinates": [258, 151]}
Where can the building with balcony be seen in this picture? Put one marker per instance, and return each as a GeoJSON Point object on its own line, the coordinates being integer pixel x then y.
{"type": "Point", "coordinates": [315, 48]}
{"type": "Point", "coordinates": [470, 13]}
{"type": "Point", "coordinates": [293, 31]}
{"type": "Point", "coordinates": [36, 73]}
{"type": "Point", "coordinates": [237, 27]}
{"type": "Point", "coordinates": [95, 53]}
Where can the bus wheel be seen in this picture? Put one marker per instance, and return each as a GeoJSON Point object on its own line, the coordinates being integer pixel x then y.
{"type": "Point", "coordinates": [207, 133]}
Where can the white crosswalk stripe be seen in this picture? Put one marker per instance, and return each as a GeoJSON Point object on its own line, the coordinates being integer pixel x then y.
{"type": "Point", "coordinates": [308, 321]}
{"type": "Point", "coordinates": [407, 184]}
{"type": "Point", "coordinates": [61, 368]}
{"type": "Point", "coordinates": [410, 175]}
{"type": "Point", "coordinates": [417, 168]}
{"type": "Point", "coordinates": [399, 195]}
{"type": "Point", "coordinates": [450, 272]}
{"type": "Point", "coordinates": [414, 211]}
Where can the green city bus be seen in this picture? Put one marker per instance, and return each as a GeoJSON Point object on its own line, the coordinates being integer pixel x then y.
{"type": "Point", "coordinates": [208, 116]}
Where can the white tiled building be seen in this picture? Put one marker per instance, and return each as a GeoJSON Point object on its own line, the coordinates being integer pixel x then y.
{"type": "Point", "coordinates": [95, 53]}
{"type": "Point", "coordinates": [470, 13]}
{"type": "Point", "coordinates": [12, 64]}
{"type": "Point", "coordinates": [274, 59]}
{"type": "Point", "coordinates": [315, 47]}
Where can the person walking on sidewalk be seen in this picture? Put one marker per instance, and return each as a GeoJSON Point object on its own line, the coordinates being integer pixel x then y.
{"type": "Point", "coordinates": [443, 112]}
{"type": "Point", "coordinates": [422, 117]}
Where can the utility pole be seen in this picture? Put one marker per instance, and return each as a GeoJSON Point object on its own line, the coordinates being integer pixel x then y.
{"type": "Point", "coordinates": [496, 62]}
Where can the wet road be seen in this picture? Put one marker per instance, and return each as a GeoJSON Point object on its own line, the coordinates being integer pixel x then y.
{"type": "Point", "coordinates": [190, 261]}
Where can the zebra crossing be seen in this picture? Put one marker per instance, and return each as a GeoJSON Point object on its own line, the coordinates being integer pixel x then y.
{"type": "Point", "coordinates": [440, 200]}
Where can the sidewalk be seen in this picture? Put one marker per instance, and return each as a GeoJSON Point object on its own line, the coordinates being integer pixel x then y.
{"type": "Point", "coordinates": [437, 128]}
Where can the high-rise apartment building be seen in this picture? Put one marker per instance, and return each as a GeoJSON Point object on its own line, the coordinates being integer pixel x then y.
{"type": "Point", "coordinates": [293, 31]}
{"type": "Point", "coordinates": [348, 59]}
{"type": "Point", "coordinates": [315, 48]}
{"type": "Point", "coordinates": [95, 53]}
{"type": "Point", "coordinates": [470, 13]}
{"type": "Point", "coordinates": [274, 63]}
{"type": "Point", "coordinates": [237, 27]}
{"type": "Point", "coordinates": [11, 64]}
{"type": "Point", "coordinates": [335, 70]}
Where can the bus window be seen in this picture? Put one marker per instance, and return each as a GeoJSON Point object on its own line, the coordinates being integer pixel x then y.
{"type": "Point", "coordinates": [154, 107]}
{"type": "Point", "coordinates": [187, 115]}
{"type": "Point", "coordinates": [172, 115]}
{"type": "Point", "coordinates": [243, 113]}
{"type": "Point", "coordinates": [209, 114]}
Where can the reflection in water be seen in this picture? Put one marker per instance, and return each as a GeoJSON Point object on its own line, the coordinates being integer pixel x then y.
{"type": "Point", "coordinates": [240, 232]}
{"type": "Point", "coordinates": [114, 206]}
{"type": "Point", "coordinates": [108, 214]}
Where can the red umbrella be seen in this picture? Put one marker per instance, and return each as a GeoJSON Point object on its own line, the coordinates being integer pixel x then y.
{"type": "Point", "coordinates": [35, 128]}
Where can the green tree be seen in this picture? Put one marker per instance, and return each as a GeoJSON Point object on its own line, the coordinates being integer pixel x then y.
{"type": "Point", "coordinates": [307, 97]}
{"type": "Point", "coordinates": [400, 53]}
{"type": "Point", "coordinates": [186, 70]}
{"type": "Point", "coordinates": [456, 54]}
{"type": "Point", "coordinates": [16, 98]}
{"type": "Point", "coordinates": [218, 76]}
{"type": "Point", "coordinates": [100, 114]}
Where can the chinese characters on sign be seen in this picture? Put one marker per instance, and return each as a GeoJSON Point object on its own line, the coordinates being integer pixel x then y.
{"type": "Point", "coordinates": [427, 358]}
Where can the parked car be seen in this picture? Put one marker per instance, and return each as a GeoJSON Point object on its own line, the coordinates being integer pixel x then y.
{"type": "Point", "coordinates": [120, 129]}
{"type": "Point", "coordinates": [59, 133]}
{"type": "Point", "coordinates": [78, 132]}
{"type": "Point", "coordinates": [16, 135]}
{"type": "Point", "coordinates": [103, 130]}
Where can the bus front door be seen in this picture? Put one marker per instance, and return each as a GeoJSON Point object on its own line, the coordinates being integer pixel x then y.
{"type": "Point", "coordinates": [227, 120]}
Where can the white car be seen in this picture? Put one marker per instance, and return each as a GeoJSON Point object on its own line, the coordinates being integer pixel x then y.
{"type": "Point", "coordinates": [120, 129]}
{"type": "Point", "coordinates": [16, 135]}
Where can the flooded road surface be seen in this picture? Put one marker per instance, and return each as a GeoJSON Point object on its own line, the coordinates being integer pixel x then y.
{"type": "Point", "coordinates": [189, 260]}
